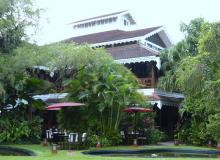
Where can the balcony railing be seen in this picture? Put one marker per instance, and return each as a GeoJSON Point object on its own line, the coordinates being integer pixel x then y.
{"type": "Point", "coordinates": [147, 82]}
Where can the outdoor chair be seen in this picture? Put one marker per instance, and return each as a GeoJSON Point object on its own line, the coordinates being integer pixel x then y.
{"type": "Point", "coordinates": [49, 135]}
{"type": "Point", "coordinates": [84, 137]}
{"type": "Point", "coordinates": [56, 138]}
{"type": "Point", "coordinates": [73, 140]}
{"type": "Point", "coordinates": [141, 140]}
{"type": "Point", "coordinates": [83, 143]}
{"type": "Point", "coordinates": [123, 137]}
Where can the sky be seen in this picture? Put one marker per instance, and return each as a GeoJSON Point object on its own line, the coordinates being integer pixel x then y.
{"type": "Point", "coordinates": [147, 13]}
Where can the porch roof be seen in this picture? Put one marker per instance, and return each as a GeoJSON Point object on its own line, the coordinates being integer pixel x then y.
{"type": "Point", "coordinates": [156, 94]}
{"type": "Point", "coordinates": [130, 51]}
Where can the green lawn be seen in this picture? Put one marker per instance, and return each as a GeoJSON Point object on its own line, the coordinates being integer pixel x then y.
{"type": "Point", "coordinates": [44, 153]}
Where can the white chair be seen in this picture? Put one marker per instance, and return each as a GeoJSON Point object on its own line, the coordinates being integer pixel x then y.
{"type": "Point", "coordinates": [84, 137]}
{"type": "Point", "coordinates": [122, 133]}
{"type": "Point", "coordinates": [49, 134]}
{"type": "Point", "coordinates": [73, 138]}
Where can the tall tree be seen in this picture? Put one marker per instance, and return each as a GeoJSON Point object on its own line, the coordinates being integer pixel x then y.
{"type": "Point", "coordinates": [15, 17]}
{"type": "Point", "coordinates": [197, 76]}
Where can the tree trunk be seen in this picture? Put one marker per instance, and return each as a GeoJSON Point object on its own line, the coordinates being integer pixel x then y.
{"type": "Point", "coordinates": [30, 112]}
{"type": "Point", "coordinates": [117, 119]}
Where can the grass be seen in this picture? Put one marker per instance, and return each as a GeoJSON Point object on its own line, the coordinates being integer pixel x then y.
{"type": "Point", "coordinates": [44, 153]}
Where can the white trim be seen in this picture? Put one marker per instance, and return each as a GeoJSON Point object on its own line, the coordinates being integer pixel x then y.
{"type": "Point", "coordinates": [42, 68]}
{"type": "Point", "coordinates": [171, 42]}
{"type": "Point", "coordinates": [168, 43]}
{"type": "Point", "coordinates": [153, 32]}
{"type": "Point", "coordinates": [116, 41]}
{"type": "Point", "coordinates": [55, 96]}
{"type": "Point", "coordinates": [159, 103]}
{"type": "Point", "coordinates": [147, 92]}
{"type": "Point", "coordinates": [151, 49]}
{"type": "Point", "coordinates": [139, 38]}
{"type": "Point", "coordinates": [91, 20]}
{"type": "Point", "coordinates": [169, 94]}
{"type": "Point", "coordinates": [141, 59]}
{"type": "Point", "coordinates": [151, 91]}
{"type": "Point", "coordinates": [101, 18]}
{"type": "Point", "coordinates": [153, 44]}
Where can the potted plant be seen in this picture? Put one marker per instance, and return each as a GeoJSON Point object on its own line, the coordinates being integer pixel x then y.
{"type": "Point", "coordinates": [213, 128]}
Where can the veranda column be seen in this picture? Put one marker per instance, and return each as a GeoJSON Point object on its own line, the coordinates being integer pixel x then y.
{"type": "Point", "coordinates": [153, 79]}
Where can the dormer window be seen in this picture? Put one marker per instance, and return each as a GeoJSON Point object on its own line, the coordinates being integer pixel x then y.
{"type": "Point", "coordinates": [126, 23]}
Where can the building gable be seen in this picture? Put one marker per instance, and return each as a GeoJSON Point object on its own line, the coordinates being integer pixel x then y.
{"type": "Point", "coordinates": [156, 39]}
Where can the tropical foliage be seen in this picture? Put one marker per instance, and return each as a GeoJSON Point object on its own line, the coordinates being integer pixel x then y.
{"type": "Point", "coordinates": [195, 73]}
{"type": "Point", "coordinates": [15, 91]}
{"type": "Point", "coordinates": [20, 76]}
{"type": "Point", "coordinates": [15, 17]}
{"type": "Point", "coordinates": [106, 88]}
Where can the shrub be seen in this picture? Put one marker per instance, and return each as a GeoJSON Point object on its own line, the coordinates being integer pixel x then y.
{"type": "Point", "coordinates": [213, 127]}
{"type": "Point", "coordinates": [19, 130]}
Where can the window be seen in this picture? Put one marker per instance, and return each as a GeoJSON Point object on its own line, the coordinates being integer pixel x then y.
{"type": "Point", "coordinates": [125, 22]}
{"type": "Point", "coordinates": [106, 21]}
{"type": "Point", "coordinates": [102, 21]}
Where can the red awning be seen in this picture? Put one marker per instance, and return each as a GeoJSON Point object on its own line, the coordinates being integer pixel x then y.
{"type": "Point", "coordinates": [137, 109]}
{"type": "Point", "coordinates": [58, 106]}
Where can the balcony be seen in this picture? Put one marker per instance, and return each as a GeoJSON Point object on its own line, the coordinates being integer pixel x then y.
{"type": "Point", "coordinates": [147, 82]}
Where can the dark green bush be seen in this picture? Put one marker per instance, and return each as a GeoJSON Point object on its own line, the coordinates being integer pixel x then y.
{"type": "Point", "coordinates": [18, 130]}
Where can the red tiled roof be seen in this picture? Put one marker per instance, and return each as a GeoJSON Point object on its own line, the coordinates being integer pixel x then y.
{"type": "Point", "coordinates": [105, 15]}
{"type": "Point", "coordinates": [110, 36]}
{"type": "Point", "coordinates": [130, 51]}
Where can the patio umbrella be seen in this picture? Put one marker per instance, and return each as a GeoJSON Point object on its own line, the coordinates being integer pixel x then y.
{"type": "Point", "coordinates": [53, 109]}
{"type": "Point", "coordinates": [136, 110]}
{"type": "Point", "coordinates": [58, 106]}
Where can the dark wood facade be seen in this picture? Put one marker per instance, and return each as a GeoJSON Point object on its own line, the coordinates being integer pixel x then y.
{"type": "Point", "coordinates": [146, 72]}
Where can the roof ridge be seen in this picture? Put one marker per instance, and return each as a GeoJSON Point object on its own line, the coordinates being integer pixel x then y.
{"type": "Point", "coordinates": [104, 15]}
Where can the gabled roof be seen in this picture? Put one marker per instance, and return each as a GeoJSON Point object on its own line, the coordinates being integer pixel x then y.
{"type": "Point", "coordinates": [130, 51]}
{"type": "Point", "coordinates": [102, 16]}
{"type": "Point", "coordinates": [110, 36]}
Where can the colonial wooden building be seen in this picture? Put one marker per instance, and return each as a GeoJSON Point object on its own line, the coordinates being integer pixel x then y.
{"type": "Point", "coordinates": [139, 50]}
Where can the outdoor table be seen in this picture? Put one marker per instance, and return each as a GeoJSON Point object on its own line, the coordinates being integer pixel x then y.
{"type": "Point", "coordinates": [63, 140]}
{"type": "Point", "coordinates": [132, 137]}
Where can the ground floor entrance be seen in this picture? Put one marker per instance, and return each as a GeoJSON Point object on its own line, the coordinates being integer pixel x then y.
{"type": "Point", "coordinates": [167, 119]}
